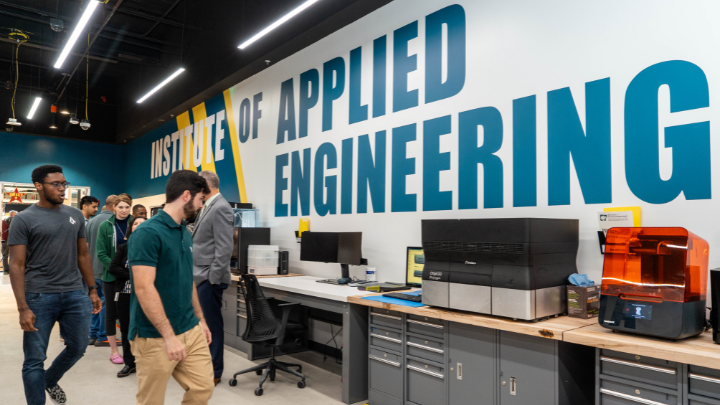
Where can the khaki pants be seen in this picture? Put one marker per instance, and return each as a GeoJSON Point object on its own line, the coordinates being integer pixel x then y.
{"type": "Point", "coordinates": [194, 374]}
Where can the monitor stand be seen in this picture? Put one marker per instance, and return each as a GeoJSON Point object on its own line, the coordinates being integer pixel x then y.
{"type": "Point", "coordinates": [344, 276]}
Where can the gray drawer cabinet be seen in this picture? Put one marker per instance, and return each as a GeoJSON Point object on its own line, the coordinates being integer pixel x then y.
{"type": "Point", "coordinates": [626, 378]}
{"type": "Point", "coordinates": [702, 385]}
{"type": "Point", "coordinates": [448, 363]}
{"type": "Point", "coordinates": [425, 383]}
{"type": "Point", "coordinates": [229, 305]}
{"type": "Point", "coordinates": [647, 370]}
{"type": "Point", "coordinates": [472, 363]}
{"type": "Point", "coordinates": [386, 371]}
{"type": "Point", "coordinates": [630, 392]}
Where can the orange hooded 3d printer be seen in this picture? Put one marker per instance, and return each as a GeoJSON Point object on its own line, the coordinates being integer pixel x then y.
{"type": "Point", "coordinates": [654, 282]}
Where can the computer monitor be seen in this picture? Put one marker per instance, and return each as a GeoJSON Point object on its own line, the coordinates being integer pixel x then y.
{"type": "Point", "coordinates": [415, 264]}
{"type": "Point", "coordinates": [344, 248]}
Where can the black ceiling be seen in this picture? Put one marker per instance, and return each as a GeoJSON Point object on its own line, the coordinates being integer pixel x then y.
{"type": "Point", "coordinates": [142, 42]}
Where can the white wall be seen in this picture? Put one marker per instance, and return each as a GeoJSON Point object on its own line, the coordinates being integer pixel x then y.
{"type": "Point", "coordinates": [514, 49]}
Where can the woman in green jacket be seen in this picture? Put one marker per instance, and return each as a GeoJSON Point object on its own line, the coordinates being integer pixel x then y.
{"type": "Point", "coordinates": [111, 234]}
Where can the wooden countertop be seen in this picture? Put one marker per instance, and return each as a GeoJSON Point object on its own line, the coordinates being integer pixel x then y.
{"type": "Point", "coordinates": [553, 328]}
{"type": "Point", "coordinates": [700, 350]}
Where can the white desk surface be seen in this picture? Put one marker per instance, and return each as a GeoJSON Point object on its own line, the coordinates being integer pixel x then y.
{"type": "Point", "coordinates": [308, 285]}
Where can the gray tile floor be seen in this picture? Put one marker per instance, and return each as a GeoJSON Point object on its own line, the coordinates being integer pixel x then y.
{"type": "Point", "coordinates": [93, 380]}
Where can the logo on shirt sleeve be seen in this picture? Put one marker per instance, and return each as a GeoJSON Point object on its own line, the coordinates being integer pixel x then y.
{"type": "Point", "coordinates": [72, 221]}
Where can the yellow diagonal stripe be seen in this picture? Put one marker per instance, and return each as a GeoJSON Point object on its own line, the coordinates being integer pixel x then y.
{"type": "Point", "coordinates": [235, 146]}
{"type": "Point", "coordinates": [183, 121]}
{"type": "Point", "coordinates": [199, 113]}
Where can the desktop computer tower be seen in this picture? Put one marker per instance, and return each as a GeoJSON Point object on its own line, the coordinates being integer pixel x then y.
{"type": "Point", "coordinates": [283, 262]}
{"type": "Point", "coordinates": [245, 238]}
{"type": "Point", "coordinates": [715, 312]}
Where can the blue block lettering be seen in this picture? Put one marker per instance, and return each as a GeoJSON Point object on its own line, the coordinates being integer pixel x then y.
{"type": "Point", "coordinates": [402, 166]}
{"type": "Point", "coordinates": [433, 163]}
{"type": "Point", "coordinates": [325, 206]}
{"type": "Point", "coordinates": [300, 183]}
{"type": "Point", "coordinates": [309, 94]}
{"type": "Point", "coordinates": [470, 155]}
{"type": "Point", "coordinates": [333, 71]}
{"type": "Point", "coordinates": [589, 149]}
{"type": "Point", "coordinates": [454, 18]}
{"type": "Point", "coordinates": [286, 120]}
{"type": "Point", "coordinates": [690, 143]}
{"type": "Point", "coordinates": [402, 65]}
{"type": "Point", "coordinates": [371, 173]}
{"type": "Point", "coordinates": [281, 184]}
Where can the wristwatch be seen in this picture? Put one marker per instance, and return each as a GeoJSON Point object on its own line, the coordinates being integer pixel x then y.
{"type": "Point", "coordinates": [95, 287]}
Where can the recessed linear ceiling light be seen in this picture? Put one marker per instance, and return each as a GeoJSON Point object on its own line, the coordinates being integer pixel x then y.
{"type": "Point", "coordinates": [277, 23]}
{"type": "Point", "coordinates": [159, 86]}
{"type": "Point", "coordinates": [91, 6]}
{"type": "Point", "coordinates": [34, 107]}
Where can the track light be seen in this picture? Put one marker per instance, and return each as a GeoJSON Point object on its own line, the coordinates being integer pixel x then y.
{"type": "Point", "coordinates": [64, 110]}
{"type": "Point", "coordinates": [85, 125]}
{"type": "Point", "coordinates": [89, 9]}
{"type": "Point", "coordinates": [159, 86]}
{"type": "Point", "coordinates": [73, 119]}
{"type": "Point", "coordinates": [53, 125]}
{"type": "Point", "coordinates": [13, 122]}
{"type": "Point", "coordinates": [34, 107]}
{"type": "Point", "coordinates": [277, 23]}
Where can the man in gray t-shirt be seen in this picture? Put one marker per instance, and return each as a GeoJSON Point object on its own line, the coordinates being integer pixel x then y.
{"type": "Point", "coordinates": [47, 247]}
{"type": "Point", "coordinates": [52, 259]}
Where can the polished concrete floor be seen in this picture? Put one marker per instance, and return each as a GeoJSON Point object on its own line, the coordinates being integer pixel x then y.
{"type": "Point", "coordinates": [93, 379]}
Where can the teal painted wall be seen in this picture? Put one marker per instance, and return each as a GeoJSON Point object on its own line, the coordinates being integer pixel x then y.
{"type": "Point", "coordinates": [96, 165]}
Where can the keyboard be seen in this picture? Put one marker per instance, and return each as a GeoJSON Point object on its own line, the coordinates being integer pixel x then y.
{"type": "Point", "coordinates": [406, 297]}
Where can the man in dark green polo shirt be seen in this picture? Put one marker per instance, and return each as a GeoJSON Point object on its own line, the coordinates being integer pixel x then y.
{"type": "Point", "coordinates": [167, 328]}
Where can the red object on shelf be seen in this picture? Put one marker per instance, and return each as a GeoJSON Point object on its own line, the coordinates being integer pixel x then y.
{"type": "Point", "coordinates": [655, 265]}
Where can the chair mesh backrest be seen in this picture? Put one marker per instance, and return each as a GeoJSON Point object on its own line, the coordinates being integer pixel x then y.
{"type": "Point", "coordinates": [261, 321]}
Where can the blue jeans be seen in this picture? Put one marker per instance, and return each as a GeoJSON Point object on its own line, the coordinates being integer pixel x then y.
{"type": "Point", "coordinates": [97, 325]}
{"type": "Point", "coordinates": [72, 311]}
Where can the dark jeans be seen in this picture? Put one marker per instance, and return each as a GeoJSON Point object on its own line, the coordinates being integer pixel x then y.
{"type": "Point", "coordinates": [123, 311]}
{"type": "Point", "coordinates": [97, 323]}
{"type": "Point", "coordinates": [5, 249]}
{"type": "Point", "coordinates": [210, 297]}
{"type": "Point", "coordinates": [110, 308]}
{"type": "Point", "coordinates": [72, 311]}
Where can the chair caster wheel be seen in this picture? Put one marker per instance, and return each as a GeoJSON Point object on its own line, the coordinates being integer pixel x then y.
{"type": "Point", "coordinates": [232, 382]}
{"type": "Point", "coordinates": [258, 391]}
{"type": "Point", "coordinates": [301, 384]}
{"type": "Point", "coordinates": [258, 372]}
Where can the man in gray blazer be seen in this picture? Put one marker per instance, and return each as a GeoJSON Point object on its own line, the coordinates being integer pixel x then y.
{"type": "Point", "coordinates": [212, 249]}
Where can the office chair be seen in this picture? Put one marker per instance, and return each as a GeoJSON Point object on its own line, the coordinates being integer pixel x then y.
{"type": "Point", "coordinates": [264, 329]}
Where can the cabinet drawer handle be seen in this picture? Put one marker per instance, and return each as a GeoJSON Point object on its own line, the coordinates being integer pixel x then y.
{"type": "Point", "coordinates": [428, 372]}
{"type": "Point", "coordinates": [629, 397]}
{"type": "Point", "coordinates": [397, 318]}
{"type": "Point", "coordinates": [637, 365]}
{"type": "Point", "coordinates": [428, 348]}
{"type": "Point", "coordinates": [432, 325]}
{"type": "Point", "coordinates": [242, 316]}
{"type": "Point", "coordinates": [704, 378]}
{"type": "Point", "coordinates": [389, 339]}
{"type": "Point", "coordinates": [381, 360]}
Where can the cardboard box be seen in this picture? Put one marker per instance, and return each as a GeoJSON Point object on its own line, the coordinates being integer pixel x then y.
{"type": "Point", "coordinates": [583, 302]}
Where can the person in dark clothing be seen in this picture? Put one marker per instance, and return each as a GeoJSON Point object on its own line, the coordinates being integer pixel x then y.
{"type": "Point", "coordinates": [112, 234]}
{"type": "Point", "coordinates": [119, 269]}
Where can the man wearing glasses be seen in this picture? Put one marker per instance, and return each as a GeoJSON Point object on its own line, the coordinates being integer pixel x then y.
{"type": "Point", "coordinates": [47, 246]}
